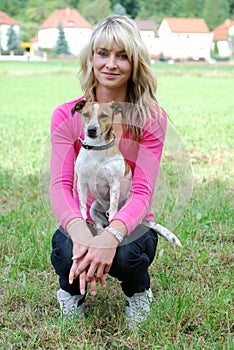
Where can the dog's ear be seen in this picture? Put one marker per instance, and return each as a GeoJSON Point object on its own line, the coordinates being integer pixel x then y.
{"type": "Point", "coordinates": [78, 107]}
{"type": "Point", "coordinates": [117, 107]}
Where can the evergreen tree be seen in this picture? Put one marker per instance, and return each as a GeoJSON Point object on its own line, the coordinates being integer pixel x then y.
{"type": "Point", "coordinates": [118, 9]}
{"type": "Point", "coordinates": [62, 45]}
{"type": "Point", "coordinates": [131, 6]}
{"type": "Point", "coordinates": [231, 7]}
{"type": "Point", "coordinates": [12, 39]}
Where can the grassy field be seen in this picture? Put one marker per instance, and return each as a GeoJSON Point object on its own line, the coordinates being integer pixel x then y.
{"type": "Point", "coordinates": [193, 286]}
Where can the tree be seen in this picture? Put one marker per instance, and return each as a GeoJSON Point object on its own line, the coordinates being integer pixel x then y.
{"type": "Point", "coordinates": [62, 45]}
{"type": "Point", "coordinates": [155, 10]}
{"type": "Point", "coordinates": [176, 9]}
{"type": "Point", "coordinates": [12, 39]}
{"type": "Point", "coordinates": [94, 10]}
{"type": "Point", "coordinates": [74, 3]}
{"type": "Point", "coordinates": [118, 9]}
{"type": "Point", "coordinates": [231, 7]}
{"type": "Point", "coordinates": [131, 6]}
{"type": "Point", "coordinates": [215, 12]}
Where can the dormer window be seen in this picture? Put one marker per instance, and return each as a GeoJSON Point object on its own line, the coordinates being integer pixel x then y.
{"type": "Point", "coordinates": [70, 23]}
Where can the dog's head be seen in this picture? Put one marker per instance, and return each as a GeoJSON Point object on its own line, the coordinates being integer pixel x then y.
{"type": "Point", "coordinates": [97, 118]}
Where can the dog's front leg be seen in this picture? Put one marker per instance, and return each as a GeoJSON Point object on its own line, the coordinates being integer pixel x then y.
{"type": "Point", "coordinates": [114, 198]}
{"type": "Point", "coordinates": [83, 194]}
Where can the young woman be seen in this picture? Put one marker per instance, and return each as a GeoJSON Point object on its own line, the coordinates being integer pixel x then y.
{"type": "Point", "coordinates": [115, 66]}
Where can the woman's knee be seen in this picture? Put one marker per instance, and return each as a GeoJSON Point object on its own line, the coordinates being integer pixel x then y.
{"type": "Point", "coordinates": [133, 259]}
{"type": "Point", "coordinates": [61, 255]}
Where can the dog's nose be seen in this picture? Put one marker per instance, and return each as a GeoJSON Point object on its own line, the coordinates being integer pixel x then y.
{"type": "Point", "coordinates": [92, 131]}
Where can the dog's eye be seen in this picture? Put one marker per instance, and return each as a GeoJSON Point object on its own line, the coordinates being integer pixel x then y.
{"type": "Point", "coordinates": [86, 115]}
{"type": "Point", "coordinates": [103, 116]}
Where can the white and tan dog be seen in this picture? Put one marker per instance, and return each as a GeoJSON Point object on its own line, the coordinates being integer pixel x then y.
{"type": "Point", "coordinates": [101, 167]}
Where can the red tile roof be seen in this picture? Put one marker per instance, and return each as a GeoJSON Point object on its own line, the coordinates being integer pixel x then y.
{"type": "Point", "coordinates": [69, 18]}
{"type": "Point", "coordinates": [34, 39]}
{"type": "Point", "coordinates": [187, 25]}
{"type": "Point", "coordinates": [221, 32]}
{"type": "Point", "coordinates": [5, 19]}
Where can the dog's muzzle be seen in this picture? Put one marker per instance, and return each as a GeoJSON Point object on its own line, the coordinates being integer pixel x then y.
{"type": "Point", "coordinates": [92, 131]}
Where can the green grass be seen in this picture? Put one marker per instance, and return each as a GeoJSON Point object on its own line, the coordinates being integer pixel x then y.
{"type": "Point", "coordinates": [193, 293]}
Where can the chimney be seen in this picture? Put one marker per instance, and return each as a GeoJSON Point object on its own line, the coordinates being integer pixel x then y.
{"type": "Point", "coordinates": [68, 12]}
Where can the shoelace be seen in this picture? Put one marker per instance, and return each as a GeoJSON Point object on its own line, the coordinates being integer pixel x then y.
{"type": "Point", "coordinates": [69, 304]}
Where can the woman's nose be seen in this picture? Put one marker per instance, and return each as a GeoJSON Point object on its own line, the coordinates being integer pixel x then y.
{"type": "Point", "coordinates": [111, 63]}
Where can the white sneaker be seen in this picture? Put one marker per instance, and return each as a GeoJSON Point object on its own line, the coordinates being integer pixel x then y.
{"type": "Point", "coordinates": [138, 307]}
{"type": "Point", "coordinates": [71, 305]}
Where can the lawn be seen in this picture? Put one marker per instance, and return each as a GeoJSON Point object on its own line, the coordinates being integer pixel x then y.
{"type": "Point", "coordinates": [192, 287]}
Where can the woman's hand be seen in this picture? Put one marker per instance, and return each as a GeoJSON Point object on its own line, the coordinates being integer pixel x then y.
{"type": "Point", "coordinates": [92, 262]}
{"type": "Point", "coordinates": [80, 235]}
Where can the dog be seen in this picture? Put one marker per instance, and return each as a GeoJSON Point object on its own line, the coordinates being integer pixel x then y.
{"type": "Point", "coordinates": [100, 165]}
{"type": "Point", "coordinates": [102, 169]}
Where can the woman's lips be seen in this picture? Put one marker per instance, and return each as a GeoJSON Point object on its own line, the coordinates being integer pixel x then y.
{"type": "Point", "coordinates": [110, 75]}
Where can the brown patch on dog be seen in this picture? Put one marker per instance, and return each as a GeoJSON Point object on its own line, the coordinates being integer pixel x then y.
{"type": "Point", "coordinates": [127, 169]}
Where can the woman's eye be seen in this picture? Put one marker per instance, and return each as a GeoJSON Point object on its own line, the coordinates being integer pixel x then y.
{"type": "Point", "coordinates": [123, 56]}
{"type": "Point", "coordinates": [102, 53]}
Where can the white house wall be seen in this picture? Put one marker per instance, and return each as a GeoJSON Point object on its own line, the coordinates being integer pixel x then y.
{"type": "Point", "coordinates": [223, 48]}
{"type": "Point", "coordinates": [76, 38]}
{"type": "Point", "coordinates": [184, 45]}
{"type": "Point", "coordinates": [151, 41]}
{"type": "Point", "coordinates": [47, 38]}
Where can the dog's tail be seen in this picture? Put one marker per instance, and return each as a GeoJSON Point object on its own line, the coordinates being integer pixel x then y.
{"type": "Point", "coordinates": [164, 232]}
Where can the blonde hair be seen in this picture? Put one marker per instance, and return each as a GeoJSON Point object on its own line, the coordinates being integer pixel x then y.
{"type": "Point", "coordinates": [142, 84]}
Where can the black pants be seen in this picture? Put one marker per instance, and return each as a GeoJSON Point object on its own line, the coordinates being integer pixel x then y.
{"type": "Point", "coordinates": [130, 265]}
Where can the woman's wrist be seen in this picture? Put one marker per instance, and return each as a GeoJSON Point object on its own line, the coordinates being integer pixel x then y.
{"type": "Point", "coordinates": [117, 229]}
{"type": "Point", "coordinates": [119, 226]}
{"type": "Point", "coordinates": [78, 231]}
{"type": "Point", "coordinates": [117, 234]}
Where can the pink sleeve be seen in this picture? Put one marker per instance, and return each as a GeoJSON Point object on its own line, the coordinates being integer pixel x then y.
{"type": "Point", "coordinates": [138, 206]}
{"type": "Point", "coordinates": [64, 132]}
{"type": "Point", "coordinates": [144, 158]}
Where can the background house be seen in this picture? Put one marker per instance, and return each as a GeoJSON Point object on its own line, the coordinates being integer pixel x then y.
{"type": "Point", "coordinates": [149, 34]}
{"type": "Point", "coordinates": [77, 30]}
{"type": "Point", "coordinates": [5, 23]}
{"type": "Point", "coordinates": [220, 36]}
{"type": "Point", "coordinates": [184, 38]}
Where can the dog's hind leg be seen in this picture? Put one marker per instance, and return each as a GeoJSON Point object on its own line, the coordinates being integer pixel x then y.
{"type": "Point", "coordinates": [98, 214]}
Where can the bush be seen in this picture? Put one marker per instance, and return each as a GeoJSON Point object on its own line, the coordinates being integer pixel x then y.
{"type": "Point", "coordinates": [19, 51]}
{"type": "Point", "coordinates": [219, 58]}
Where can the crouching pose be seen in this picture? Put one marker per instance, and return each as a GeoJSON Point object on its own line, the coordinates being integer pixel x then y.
{"type": "Point", "coordinates": [114, 66]}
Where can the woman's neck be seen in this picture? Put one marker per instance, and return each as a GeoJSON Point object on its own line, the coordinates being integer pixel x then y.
{"type": "Point", "coordinates": [107, 95]}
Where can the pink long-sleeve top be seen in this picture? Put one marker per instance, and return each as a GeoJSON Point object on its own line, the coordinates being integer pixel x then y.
{"type": "Point", "coordinates": [142, 156]}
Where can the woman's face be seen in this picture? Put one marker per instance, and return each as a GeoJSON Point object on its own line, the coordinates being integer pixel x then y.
{"type": "Point", "coordinates": [112, 68]}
